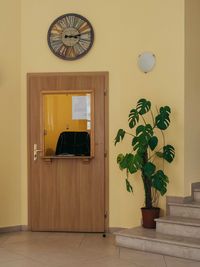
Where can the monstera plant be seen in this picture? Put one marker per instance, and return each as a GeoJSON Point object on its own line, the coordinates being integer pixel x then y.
{"type": "Point", "coordinates": [145, 148]}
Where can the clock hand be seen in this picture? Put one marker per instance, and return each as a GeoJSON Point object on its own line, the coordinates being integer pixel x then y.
{"type": "Point", "coordinates": [72, 36]}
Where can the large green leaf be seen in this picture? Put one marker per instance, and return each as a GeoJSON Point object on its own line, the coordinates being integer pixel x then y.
{"type": "Point", "coordinates": [160, 181]}
{"type": "Point", "coordinates": [126, 163]}
{"type": "Point", "coordinates": [130, 162]}
{"type": "Point", "coordinates": [139, 144]}
{"type": "Point", "coordinates": [133, 118]}
{"type": "Point", "coordinates": [149, 169]}
{"type": "Point", "coordinates": [145, 129]}
{"type": "Point", "coordinates": [168, 153]}
{"type": "Point", "coordinates": [162, 119]}
{"type": "Point", "coordinates": [129, 187]}
{"type": "Point", "coordinates": [138, 161]}
{"type": "Point", "coordinates": [143, 106]}
{"type": "Point", "coordinates": [141, 140]}
{"type": "Point", "coordinates": [120, 158]}
{"type": "Point", "coordinates": [153, 141]}
{"type": "Point", "coordinates": [120, 135]}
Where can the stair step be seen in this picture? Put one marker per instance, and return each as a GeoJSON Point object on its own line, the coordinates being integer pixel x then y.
{"type": "Point", "coordinates": [179, 220]}
{"type": "Point", "coordinates": [196, 193]}
{"type": "Point", "coordinates": [178, 226]}
{"type": "Point", "coordinates": [149, 240]}
{"type": "Point", "coordinates": [188, 210]}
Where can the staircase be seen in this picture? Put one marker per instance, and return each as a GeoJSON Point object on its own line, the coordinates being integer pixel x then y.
{"type": "Point", "coordinates": [177, 234]}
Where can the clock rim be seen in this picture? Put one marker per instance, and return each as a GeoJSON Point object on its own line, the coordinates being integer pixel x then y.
{"type": "Point", "coordinates": [59, 18]}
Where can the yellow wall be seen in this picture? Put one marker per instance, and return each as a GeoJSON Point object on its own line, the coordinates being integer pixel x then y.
{"type": "Point", "coordinates": [10, 205]}
{"type": "Point", "coordinates": [192, 93]}
{"type": "Point", "coordinates": [123, 29]}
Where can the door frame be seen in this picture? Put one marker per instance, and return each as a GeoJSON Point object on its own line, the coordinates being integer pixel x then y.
{"type": "Point", "coordinates": [105, 74]}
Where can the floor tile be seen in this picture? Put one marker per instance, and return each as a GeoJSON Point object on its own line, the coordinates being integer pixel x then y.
{"type": "Point", "coordinates": [6, 255]}
{"type": "Point", "coordinates": [3, 238]}
{"type": "Point", "coordinates": [36, 249]}
{"type": "Point", "coordinates": [105, 246]}
{"type": "Point", "coordinates": [104, 262]}
{"type": "Point", "coordinates": [24, 236]}
{"type": "Point", "coordinates": [143, 259]}
{"type": "Point", "coordinates": [90, 240]}
{"type": "Point", "coordinates": [47, 244]}
{"type": "Point", "coordinates": [53, 253]}
{"type": "Point", "coordinates": [23, 263]}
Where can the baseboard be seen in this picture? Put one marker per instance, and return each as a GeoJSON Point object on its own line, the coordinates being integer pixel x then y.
{"type": "Point", "coordinates": [115, 229]}
{"type": "Point", "coordinates": [19, 228]}
{"type": "Point", "coordinates": [16, 228]}
{"type": "Point", "coordinates": [8, 229]}
{"type": "Point", "coordinates": [24, 228]}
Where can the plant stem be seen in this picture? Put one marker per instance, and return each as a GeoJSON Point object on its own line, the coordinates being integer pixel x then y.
{"type": "Point", "coordinates": [152, 118]}
{"type": "Point", "coordinates": [126, 174]}
{"type": "Point", "coordinates": [163, 137]}
{"type": "Point", "coordinates": [130, 134]}
{"type": "Point", "coordinates": [147, 184]}
{"type": "Point", "coordinates": [154, 154]}
{"type": "Point", "coordinates": [147, 189]}
{"type": "Point", "coordinates": [163, 146]}
{"type": "Point", "coordinates": [143, 120]}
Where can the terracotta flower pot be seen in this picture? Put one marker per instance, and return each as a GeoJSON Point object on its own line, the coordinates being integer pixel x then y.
{"type": "Point", "coordinates": [148, 216]}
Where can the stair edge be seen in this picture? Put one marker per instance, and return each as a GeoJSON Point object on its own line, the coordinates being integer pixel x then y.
{"type": "Point", "coordinates": [190, 204]}
{"type": "Point", "coordinates": [161, 240]}
{"type": "Point", "coordinates": [165, 220]}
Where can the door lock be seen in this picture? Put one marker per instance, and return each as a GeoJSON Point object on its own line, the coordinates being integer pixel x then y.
{"type": "Point", "coordinates": [35, 152]}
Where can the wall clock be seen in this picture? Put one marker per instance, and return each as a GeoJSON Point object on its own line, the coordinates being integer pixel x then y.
{"type": "Point", "coordinates": [70, 36]}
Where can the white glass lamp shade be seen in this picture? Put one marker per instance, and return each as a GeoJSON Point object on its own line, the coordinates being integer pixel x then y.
{"type": "Point", "coordinates": [146, 61]}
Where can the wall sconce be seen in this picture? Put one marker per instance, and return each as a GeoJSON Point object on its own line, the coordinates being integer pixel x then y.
{"type": "Point", "coordinates": [146, 61]}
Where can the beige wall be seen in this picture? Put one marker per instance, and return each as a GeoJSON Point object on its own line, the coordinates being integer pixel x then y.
{"type": "Point", "coordinates": [123, 29]}
{"type": "Point", "coordinates": [10, 206]}
{"type": "Point", "coordinates": [192, 93]}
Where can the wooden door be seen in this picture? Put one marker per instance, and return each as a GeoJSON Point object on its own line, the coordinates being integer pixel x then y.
{"type": "Point", "coordinates": [68, 194]}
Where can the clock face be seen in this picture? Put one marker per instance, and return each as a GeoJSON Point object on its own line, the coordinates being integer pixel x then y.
{"type": "Point", "coordinates": [70, 36]}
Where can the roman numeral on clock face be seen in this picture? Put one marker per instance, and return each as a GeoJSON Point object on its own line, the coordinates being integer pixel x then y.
{"type": "Point", "coordinates": [78, 23]}
{"type": "Point", "coordinates": [63, 23]}
{"type": "Point", "coordinates": [78, 49]}
{"type": "Point", "coordinates": [70, 52]}
{"type": "Point", "coordinates": [84, 44]}
{"type": "Point", "coordinates": [85, 36]}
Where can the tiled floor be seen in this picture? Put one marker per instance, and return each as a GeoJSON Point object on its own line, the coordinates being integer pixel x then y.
{"type": "Point", "coordinates": [27, 249]}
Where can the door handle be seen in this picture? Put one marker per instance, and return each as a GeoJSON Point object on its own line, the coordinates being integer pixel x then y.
{"type": "Point", "coordinates": [35, 152]}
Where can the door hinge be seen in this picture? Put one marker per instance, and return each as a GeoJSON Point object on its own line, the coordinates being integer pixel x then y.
{"type": "Point", "coordinates": [105, 154]}
{"type": "Point", "coordinates": [105, 92]}
{"type": "Point", "coordinates": [106, 215]}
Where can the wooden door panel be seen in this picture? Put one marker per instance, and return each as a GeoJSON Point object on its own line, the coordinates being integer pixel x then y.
{"type": "Point", "coordinates": [59, 195]}
{"type": "Point", "coordinates": [94, 188]}
{"type": "Point", "coordinates": [67, 194]}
